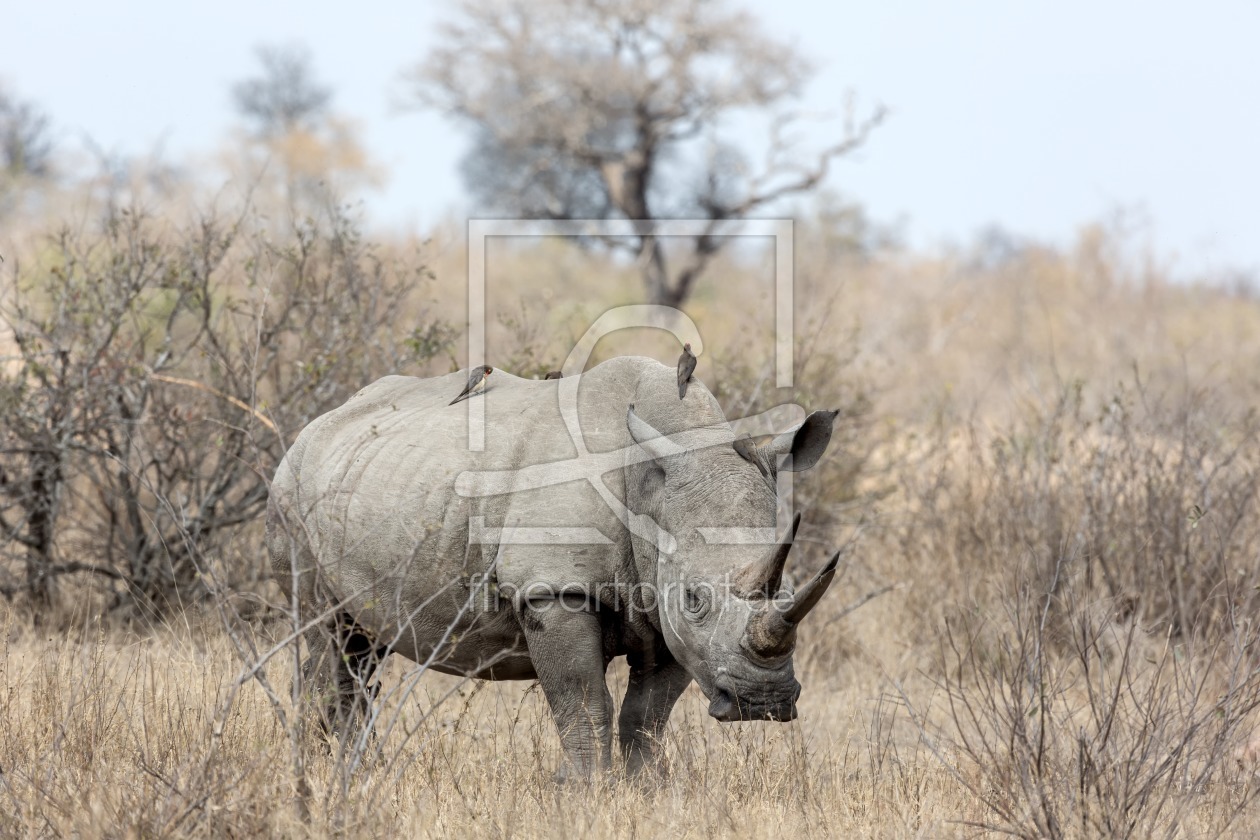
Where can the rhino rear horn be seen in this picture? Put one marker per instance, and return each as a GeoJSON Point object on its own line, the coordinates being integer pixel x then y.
{"type": "Point", "coordinates": [763, 577]}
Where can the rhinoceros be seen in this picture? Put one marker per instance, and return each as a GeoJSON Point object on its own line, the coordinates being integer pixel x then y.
{"type": "Point", "coordinates": [614, 527]}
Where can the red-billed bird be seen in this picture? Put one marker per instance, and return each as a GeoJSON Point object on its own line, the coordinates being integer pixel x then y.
{"type": "Point", "coordinates": [686, 366]}
{"type": "Point", "coordinates": [476, 383]}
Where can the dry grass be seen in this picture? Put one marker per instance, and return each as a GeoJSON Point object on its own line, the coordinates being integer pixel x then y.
{"type": "Point", "coordinates": [112, 737]}
{"type": "Point", "coordinates": [108, 735]}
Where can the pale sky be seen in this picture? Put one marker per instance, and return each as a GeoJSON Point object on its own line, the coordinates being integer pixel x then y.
{"type": "Point", "coordinates": [1035, 116]}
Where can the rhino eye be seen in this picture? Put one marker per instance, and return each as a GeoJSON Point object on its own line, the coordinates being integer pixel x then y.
{"type": "Point", "coordinates": [695, 603]}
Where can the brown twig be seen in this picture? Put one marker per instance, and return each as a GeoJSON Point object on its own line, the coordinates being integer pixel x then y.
{"type": "Point", "coordinates": [201, 386]}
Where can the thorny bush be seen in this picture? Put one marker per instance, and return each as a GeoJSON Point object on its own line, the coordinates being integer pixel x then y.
{"type": "Point", "coordinates": [158, 373]}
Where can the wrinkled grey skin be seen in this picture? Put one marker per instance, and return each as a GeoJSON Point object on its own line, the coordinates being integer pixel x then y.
{"type": "Point", "coordinates": [364, 513]}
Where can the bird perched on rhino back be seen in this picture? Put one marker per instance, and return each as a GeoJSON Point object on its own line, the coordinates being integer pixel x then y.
{"type": "Point", "coordinates": [476, 383]}
{"type": "Point", "coordinates": [553, 374]}
{"type": "Point", "coordinates": [686, 366]}
{"type": "Point", "coordinates": [747, 449]}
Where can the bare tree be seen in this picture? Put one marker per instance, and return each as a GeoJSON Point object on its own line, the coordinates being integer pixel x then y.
{"type": "Point", "coordinates": [25, 144]}
{"type": "Point", "coordinates": [585, 109]}
{"type": "Point", "coordinates": [285, 95]}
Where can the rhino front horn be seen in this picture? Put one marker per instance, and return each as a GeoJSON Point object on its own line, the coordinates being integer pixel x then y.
{"type": "Point", "coordinates": [804, 600]}
{"type": "Point", "coordinates": [773, 631]}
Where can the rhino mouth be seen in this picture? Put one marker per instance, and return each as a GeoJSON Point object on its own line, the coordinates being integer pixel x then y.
{"type": "Point", "coordinates": [730, 708]}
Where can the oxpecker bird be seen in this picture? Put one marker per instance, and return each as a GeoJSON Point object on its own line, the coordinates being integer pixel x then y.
{"type": "Point", "coordinates": [686, 366]}
{"type": "Point", "coordinates": [553, 374]}
{"type": "Point", "coordinates": [476, 383]}
{"type": "Point", "coordinates": [747, 449]}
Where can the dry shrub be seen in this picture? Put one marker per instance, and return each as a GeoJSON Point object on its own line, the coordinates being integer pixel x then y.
{"type": "Point", "coordinates": [1096, 576]}
{"type": "Point", "coordinates": [1108, 732]}
{"type": "Point", "coordinates": [160, 371]}
{"type": "Point", "coordinates": [1155, 496]}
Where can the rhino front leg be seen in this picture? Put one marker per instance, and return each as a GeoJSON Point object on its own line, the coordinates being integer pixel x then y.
{"type": "Point", "coordinates": [656, 683]}
{"type": "Point", "coordinates": [566, 646]}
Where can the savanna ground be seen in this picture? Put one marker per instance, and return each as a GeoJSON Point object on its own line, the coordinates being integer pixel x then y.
{"type": "Point", "coordinates": [1046, 469]}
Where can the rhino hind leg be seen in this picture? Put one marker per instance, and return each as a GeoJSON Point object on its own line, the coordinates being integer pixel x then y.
{"type": "Point", "coordinates": [338, 676]}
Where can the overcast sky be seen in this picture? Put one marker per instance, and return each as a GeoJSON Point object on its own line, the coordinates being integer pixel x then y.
{"type": "Point", "coordinates": [1035, 116]}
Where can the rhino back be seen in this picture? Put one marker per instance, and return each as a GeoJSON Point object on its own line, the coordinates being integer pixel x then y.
{"type": "Point", "coordinates": [370, 486]}
{"type": "Point", "coordinates": [369, 489]}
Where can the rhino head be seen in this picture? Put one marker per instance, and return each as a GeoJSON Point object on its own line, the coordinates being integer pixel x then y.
{"type": "Point", "coordinates": [721, 604]}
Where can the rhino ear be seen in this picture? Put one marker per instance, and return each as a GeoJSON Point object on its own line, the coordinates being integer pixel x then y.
{"type": "Point", "coordinates": [806, 443]}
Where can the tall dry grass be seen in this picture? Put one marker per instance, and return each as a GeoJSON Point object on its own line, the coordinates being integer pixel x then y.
{"type": "Point", "coordinates": [106, 736]}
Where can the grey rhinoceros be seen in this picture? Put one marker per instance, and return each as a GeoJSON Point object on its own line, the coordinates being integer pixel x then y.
{"type": "Point", "coordinates": [603, 521]}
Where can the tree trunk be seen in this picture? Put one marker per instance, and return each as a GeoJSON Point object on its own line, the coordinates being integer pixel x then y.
{"type": "Point", "coordinates": [673, 295]}
{"type": "Point", "coordinates": [41, 526]}
{"type": "Point", "coordinates": [655, 274]}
